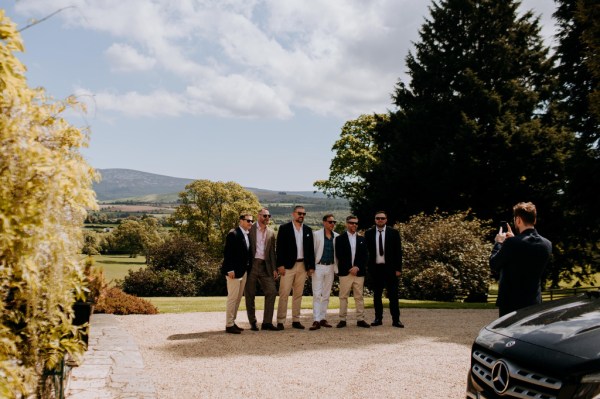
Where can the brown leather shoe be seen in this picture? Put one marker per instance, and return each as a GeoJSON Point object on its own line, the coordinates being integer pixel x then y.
{"type": "Point", "coordinates": [363, 324]}
{"type": "Point", "coordinates": [325, 324]}
{"type": "Point", "coordinates": [315, 326]}
{"type": "Point", "coordinates": [232, 330]}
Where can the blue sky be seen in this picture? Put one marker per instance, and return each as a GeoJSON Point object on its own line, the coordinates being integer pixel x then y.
{"type": "Point", "coordinates": [251, 91]}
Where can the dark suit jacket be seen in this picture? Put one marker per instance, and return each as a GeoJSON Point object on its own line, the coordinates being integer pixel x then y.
{"type": "Point", "coordinates": [343, 253]}
{"type": "Point", "coordinates": [520, 263]}
{"type": "Point", "coordinates": [236, 254]}
{"type": "Point", "coordinates": [269, 247]}
{"type": "Point", "coordinates": [287, 253]}
{"type": "Point", "coordinates": [392, 248]}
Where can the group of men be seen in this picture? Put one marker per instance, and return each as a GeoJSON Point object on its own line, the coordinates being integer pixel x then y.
{"type": "Point", "coordinates": [252, 254]}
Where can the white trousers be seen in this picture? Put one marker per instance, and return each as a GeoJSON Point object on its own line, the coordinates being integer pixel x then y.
{"type": "Point", "coordinates": [322, 280]}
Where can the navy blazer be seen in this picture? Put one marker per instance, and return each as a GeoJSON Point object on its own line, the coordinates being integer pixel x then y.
{"type": "Point", "coordinates": [392, 248]}
{"type": "Point", "coordinates": [287, 253]}
{"type": "Point", "coordinates": [343, 253]}
{"type": "Point", "coordinates": [236, 254]}
{"type": "Point", "coordinates": [520, 263]}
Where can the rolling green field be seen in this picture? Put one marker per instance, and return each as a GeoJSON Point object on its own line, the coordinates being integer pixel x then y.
{"type": "Point", "coordinates": [116, 266]}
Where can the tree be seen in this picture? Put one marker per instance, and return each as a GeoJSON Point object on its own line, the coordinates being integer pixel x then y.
{"type": "Point", "coordinates": [91, 243]}
{"type": "Point", "coordinates": [577, 106]}
{"type": "Point", "coordinates": [209, 210]}
{"type": "Point", "coordinates": [136, 236]}
{"type": "Point", "coordinates": [45, 187]}
{"type": "Point", "coordinates": [468, 132]}
{"type": "Point", "coordinates": [356, 154]}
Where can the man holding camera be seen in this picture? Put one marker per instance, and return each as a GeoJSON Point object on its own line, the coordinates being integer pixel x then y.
{"type": "Point", "coordinates": [519, 261]}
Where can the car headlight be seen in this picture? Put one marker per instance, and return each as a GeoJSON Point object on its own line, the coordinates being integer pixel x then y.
{"type": "Point", "coordinates": [589, 388]}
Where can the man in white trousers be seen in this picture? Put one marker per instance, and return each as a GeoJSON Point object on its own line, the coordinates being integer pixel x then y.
{"type": "Point", "coordinates": [325, 270]}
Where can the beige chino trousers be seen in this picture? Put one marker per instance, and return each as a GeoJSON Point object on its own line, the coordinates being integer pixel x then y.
{"type": "Point", "coordinates": [293, 281]}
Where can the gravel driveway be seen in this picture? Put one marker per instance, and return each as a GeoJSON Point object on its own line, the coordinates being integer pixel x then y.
{"type": "Point", "coordinates": [190, 356]}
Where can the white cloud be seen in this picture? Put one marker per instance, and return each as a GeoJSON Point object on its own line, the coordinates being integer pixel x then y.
{"type": "Point", "coordinates": [124, 58]}
{"type": "Point", "coordinates": [239, 58]}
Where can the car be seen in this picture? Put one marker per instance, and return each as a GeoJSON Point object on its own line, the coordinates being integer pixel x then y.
{"type": "Point", "coordinates": [545, 351]}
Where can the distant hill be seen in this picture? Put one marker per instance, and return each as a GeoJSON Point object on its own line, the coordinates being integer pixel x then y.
{"type": "Point", "coordinates": [127, 183]}
{"type": "Point", "coordinates": [136, 186]}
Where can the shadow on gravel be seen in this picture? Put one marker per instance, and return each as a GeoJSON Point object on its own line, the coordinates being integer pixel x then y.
{"type": "Point", "coordinates": [422, 326]}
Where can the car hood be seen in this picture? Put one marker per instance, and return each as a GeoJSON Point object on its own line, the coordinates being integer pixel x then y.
{"type": "Point", "coordinates": [570, 325]}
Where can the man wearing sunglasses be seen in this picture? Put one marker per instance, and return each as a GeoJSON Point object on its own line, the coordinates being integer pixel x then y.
{"type": "Point", "coordinates": [295, 259]}
{"type": "Point", "coordinates": [385, 266]}
{"type": "Point", "coordinates": [325, 269]}
{"type": "Point", "coordinates": [352, 254]}
{"type": "Point", "coordinates": [236, 263]}
{"type": "Point", "coordinates": [262, 250]}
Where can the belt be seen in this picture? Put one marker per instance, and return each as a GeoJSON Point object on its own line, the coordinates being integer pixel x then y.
{"type": "Point", "coordinates": [326, 263]}
{"type": "Point", "coordinates": [300, 260]}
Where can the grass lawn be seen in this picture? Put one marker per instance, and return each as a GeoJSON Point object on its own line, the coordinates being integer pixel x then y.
{"type": "Point", "coordinates": [116, 266]}
{"type": "Point", "coordinates": [218, 304]}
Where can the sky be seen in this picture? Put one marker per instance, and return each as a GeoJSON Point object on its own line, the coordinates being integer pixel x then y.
{"type": "Point", "coordinates": [251, 91]}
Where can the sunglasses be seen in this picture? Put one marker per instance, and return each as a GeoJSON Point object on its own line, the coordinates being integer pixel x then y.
{"type": "Point", "coordinates": [301, 213]}
{"type": "Point", "coordinates": [248, 220]}
{"type": "Point", "coordinates": [266, 216]}
{"type": "Point", "coordinates": [352, 222]}
{"type": "Point", "coordinates": [380, 218]}
{"type": "Point", "coordinates": [332, 221]}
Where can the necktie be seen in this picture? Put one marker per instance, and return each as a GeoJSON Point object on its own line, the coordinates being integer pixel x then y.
{"type": "Point", "coordinates": [380, 242]}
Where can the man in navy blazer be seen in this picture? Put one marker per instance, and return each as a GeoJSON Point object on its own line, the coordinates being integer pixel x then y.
{"type": "Point", "coordinates": [385, 266]}
{"type": "Point", "coordinates": [352, 256]}
{"type": "Point", "coordinates": [295, 259]}
{"type": "Point", "coordinates": [520, 261]}
{"type": "Point", "coordinates": [236, 263]}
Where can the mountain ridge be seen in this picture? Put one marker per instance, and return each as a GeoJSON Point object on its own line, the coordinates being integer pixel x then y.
{"type": "Point", "coordinates": [129, 184]}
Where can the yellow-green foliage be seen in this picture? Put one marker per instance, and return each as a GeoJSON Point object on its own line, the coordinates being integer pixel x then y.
{"type": "Point", "coordinates": [45, 186]}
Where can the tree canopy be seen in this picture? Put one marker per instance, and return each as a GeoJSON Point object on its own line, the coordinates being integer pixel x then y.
{"type": "Point", "coordinates": [210, 209]}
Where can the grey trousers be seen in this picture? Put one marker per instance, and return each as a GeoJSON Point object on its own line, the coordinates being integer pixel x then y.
{"type": "Point", "coordinates": [267, 283]}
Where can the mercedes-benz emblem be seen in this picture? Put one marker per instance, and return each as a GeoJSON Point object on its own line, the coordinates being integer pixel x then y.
{"type": "Point", "coordinates": [500, 376]}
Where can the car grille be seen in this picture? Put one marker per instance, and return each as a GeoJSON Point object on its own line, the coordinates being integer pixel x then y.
{"type": "Point", "coordinates": [520, 383]}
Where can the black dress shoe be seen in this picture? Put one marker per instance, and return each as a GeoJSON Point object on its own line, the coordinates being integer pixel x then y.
{"type": "Point", "coordinates": [268, 327]}
{"type": "Point", "coordinates": [296, 324]}
{"type": "Point", "coordinates": [363, 324]}
{"type": "Point", "coordinates": [398, 324]}
{"type": "Point", "coordinates": [280, 326]}
{"type": "Point", "coordinates": [341, 324]}
{"type": "Point", "coordinates": [253, 326]}
{"type": "Point", "coordinates": [232, 330]}
{"type": "Point", "coordinates": [238, 327]}
{"type": "Point", "coordinates": [376, 322]}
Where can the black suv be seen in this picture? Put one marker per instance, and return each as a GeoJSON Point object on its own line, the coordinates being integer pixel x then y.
{"type": "Point", "coordinates": [544, 351]}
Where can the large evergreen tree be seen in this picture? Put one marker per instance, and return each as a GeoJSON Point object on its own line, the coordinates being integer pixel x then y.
{"type": "Point", "coordinates": [577, 106]}
{"type": "Point", "coordinates": [468, 131]}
